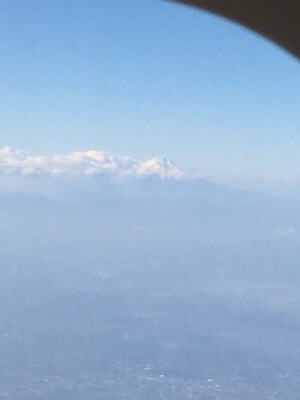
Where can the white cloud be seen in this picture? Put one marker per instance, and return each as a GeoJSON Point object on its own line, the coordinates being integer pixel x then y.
{"type": "Point", "coordinates": [287, 233]}
{"type": "Point", "coordinates": [83, 163]}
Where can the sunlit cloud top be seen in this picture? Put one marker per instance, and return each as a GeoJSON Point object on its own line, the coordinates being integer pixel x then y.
{"type": "Point", "coordinates": [92, 162]}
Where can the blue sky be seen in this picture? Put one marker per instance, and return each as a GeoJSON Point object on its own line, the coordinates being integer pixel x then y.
{"type": "Point", "coordinates": [147, 78]}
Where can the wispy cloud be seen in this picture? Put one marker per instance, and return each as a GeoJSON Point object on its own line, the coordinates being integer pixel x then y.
{"type": "Point", "coordinates": [287, 233]}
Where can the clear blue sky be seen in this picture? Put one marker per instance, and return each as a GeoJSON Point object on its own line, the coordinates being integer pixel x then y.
{"type": "Point", "coordinates": [147, 78]}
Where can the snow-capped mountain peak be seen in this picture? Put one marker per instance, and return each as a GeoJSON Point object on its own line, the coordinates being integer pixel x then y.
{"type": "Point", "coordinates": [163, 167]}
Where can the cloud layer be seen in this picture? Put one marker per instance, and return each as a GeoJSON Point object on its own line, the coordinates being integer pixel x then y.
{"type": "Point", "coordinates": [90, 162]}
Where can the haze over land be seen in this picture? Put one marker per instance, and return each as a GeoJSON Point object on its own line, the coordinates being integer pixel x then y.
{"type": "Point", "coordinates": [130, 279]}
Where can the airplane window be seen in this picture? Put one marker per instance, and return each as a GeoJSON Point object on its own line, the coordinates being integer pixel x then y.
{"type": "Point", "coordinates": [149, 195]}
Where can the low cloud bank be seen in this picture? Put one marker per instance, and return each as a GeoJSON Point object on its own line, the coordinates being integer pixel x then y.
{"type": "Point", "coordinates": [92, 162]}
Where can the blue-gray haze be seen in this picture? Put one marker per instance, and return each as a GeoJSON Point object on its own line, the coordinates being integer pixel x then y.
{"type": "Point", "coordinates": [146, 289]}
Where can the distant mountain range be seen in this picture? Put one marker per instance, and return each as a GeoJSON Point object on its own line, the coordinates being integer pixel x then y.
{"type": "Point", "coordinates": [89, 163]}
